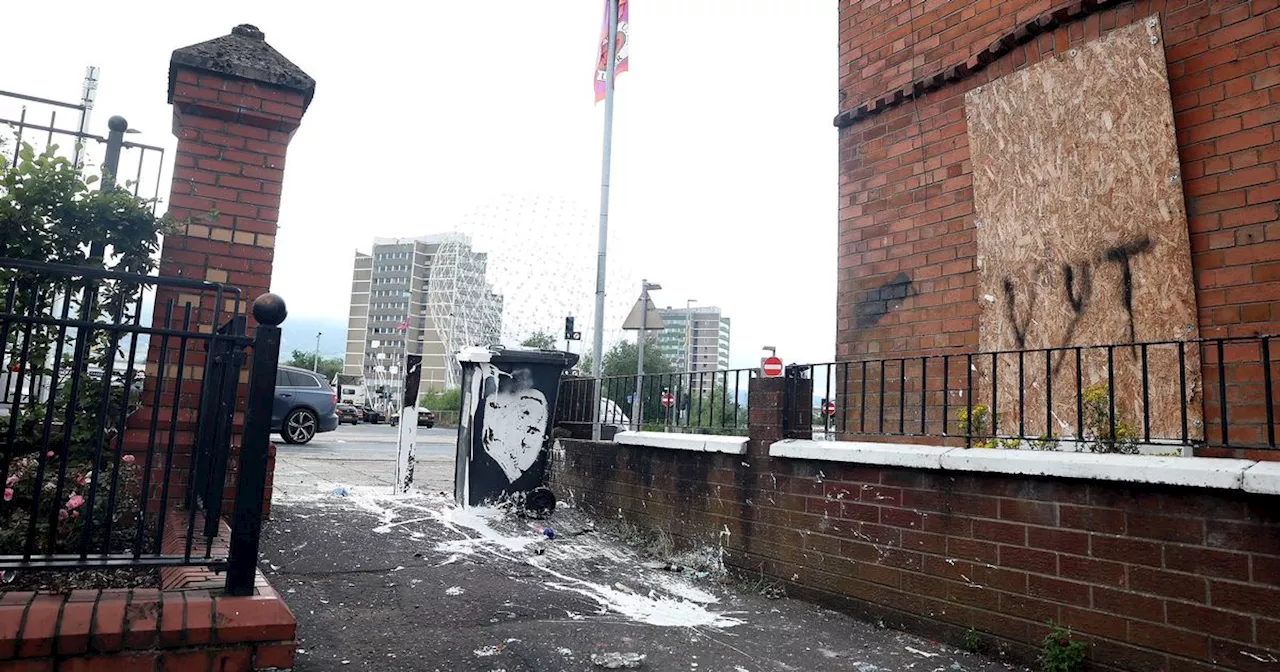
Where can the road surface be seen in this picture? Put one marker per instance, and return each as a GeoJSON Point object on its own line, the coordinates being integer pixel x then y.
{"type": "Point", "coordinates": [363, 455]}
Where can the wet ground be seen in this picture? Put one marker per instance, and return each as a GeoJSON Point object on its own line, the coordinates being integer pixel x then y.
{"type": "Point", "coordinates": [380, 582]}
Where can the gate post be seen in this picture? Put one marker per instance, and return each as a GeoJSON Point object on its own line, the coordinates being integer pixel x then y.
{"type": "Point", "coordinates": [237, 103]}
{"type": "Point", "coordinates": [246, 526]}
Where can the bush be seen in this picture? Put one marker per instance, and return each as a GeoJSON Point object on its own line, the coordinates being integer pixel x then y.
{"type": "Point", "coordinates": [976, 423]}
{"type": "Point", "coordinates": [50, 212]}
{"type": "Point", "coordinates": [64, 515]}
{"type": "Point", "coordinates": [1097, 424]}
{"type": "Point", "coordinates": [448, 400]}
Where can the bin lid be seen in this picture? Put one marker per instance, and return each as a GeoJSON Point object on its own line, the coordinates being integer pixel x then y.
{"type": "Point", "coordinates": [500, 354]}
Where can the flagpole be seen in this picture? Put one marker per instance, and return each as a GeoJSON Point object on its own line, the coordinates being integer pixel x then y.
{"type": "Point", "coordinates": [597, 338]}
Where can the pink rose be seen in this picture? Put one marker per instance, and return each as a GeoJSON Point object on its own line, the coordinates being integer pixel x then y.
{"type": "Point", "coordinates": [8, 494]}
{"type": "Point", "coordinates": [49, 454]}
{"type": "Point", "coordinates": [75, 514]}
{"type": "Point", "coordinates": [75, 501]}
{"type": "Point", "coordinates": [12, 480]}
{"type": "Point", "coordinates": [128, 459]}
{"type": "Point", "coordinates": [63, 514]}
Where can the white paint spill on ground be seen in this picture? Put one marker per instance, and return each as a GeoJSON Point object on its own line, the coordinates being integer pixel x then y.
{"type": "Point", "coordinates": [682, 606]}
{"type": "Point", "coordinates": [477, 520]}
{"type": "Point", "coordinates": [686, 591]}
{"type": "Point", "coordinates": [650, 609]}
{"type": "Point", "coordinates": [658, 598]}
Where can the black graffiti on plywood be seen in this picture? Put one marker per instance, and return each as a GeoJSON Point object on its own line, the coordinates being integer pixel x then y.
{"type": "Point", "coordinates": [1121, 254]}
{"type": "Point", "coordinates": [877, 303]}
{"type": "Point", "coordinates": [1078, 281]}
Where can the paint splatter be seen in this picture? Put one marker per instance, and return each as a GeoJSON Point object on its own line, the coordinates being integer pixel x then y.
{"type": "Point", "coordinates": [515, 424]}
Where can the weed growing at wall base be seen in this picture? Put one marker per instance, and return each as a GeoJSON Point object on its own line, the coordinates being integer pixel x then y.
{"type": "Point", "coordinates": [1060, 653]}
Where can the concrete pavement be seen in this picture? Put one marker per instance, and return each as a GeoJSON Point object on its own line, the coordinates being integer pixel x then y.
{"type": "Point", "coordinates": [380, 582]}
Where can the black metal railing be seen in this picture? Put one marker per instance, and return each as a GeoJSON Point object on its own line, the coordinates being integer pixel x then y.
{"type": "Point", "coordinates": [42, 123]}
{"type": "Point", "coordinates": [702, 402]}
{"type": "Point", "coordinates": [114, 425]}
{"type": "Point", "coordinates": [1139, 397]}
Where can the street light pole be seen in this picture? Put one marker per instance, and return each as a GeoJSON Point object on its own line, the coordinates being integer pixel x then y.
{"type": "Point", "coordinates": [688, 334]}
{"type": "Point", "coordinates": [315, 361]}
{"type": "Point", "coordinates": [636, 406]}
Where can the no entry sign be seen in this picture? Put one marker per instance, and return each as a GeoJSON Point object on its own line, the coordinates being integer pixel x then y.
{"type": "Point", "coordinates": [668, 399]}
{"type": "Point", "coordinates": [772, 367]}
{"type": "Point", "coordinates": [829, 408]}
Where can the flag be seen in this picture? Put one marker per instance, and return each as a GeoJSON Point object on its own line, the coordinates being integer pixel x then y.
{"type": "Point", "coordinates": [404, 324]}
{"type": "Point", "coordinates": [623, 49]}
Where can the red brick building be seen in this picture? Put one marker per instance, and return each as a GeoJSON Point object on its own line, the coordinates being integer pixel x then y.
{"type": "Point", "coordinates": [909, 257]}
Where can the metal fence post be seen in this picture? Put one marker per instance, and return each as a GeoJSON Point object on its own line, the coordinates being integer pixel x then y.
{"type": "Point", "coordinates": [246, 529]}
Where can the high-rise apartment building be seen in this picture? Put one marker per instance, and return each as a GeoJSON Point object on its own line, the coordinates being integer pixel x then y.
{"type": "Point", "coordinates": [394, 312]}
{"type": "Point", "coordinates": [695, 339]}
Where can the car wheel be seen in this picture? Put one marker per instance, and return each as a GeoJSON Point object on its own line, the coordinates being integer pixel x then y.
{"type": "Point", "coordinates": [299, 426]}
{"type": "Point", "coordinates": [429, 425]}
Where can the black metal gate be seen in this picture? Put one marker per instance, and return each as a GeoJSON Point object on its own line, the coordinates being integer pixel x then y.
{"type": "Point", "coordinates": [92, 458]}
{"type": "Point", "coordinates": [217, 413]}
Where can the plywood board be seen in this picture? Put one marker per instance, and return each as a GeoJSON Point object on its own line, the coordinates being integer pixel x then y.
{"type": "Point", "coordinates": [1082, 232]}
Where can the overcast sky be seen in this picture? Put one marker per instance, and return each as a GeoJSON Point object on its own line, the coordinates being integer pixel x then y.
{"type": "Point", "coordinates": [724, 169]}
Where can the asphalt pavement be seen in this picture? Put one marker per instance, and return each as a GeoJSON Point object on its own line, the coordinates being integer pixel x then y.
{"type": "Point", "coordinates": [363, 455]}
{"type": "Point", "coordinates": [385, 582]}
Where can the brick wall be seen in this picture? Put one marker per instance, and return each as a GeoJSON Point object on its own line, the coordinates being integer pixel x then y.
{"type": "Point", "coordinates": [234, 124]}
{"type": "Point", "coordinates": [906, 196]}
{"type": "Point", "coordinates": [1155, 578]}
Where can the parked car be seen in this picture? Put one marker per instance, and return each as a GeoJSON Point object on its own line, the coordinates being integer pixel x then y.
{"type": "Point", "coordinates": [350, 414]}
{"type": "Point", "coordinates": [373, 416]}
{"type": "Point", "coordinates": [304, 405]}
{"type": "Point", "coordinates": [425, 418]}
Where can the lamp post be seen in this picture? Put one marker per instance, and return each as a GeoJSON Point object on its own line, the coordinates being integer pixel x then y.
{"type": "Point", "coordinates": [688, 334]}
{"type": "Point", "coordinates": [645, 288]}
{"type": "Point", "coordinates": [315, 361]}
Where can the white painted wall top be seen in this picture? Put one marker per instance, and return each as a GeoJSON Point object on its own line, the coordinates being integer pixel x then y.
{"type": "Point", "coordinates": [1200, 472]}
{"type": "Point", "coordinates": [701, 443]}
{"type": "Point", "coordinates": [1263, 478]}
{"type": "Point", "coordinates": [862, 452]}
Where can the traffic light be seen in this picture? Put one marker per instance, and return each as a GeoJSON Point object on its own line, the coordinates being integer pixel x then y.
{"type": "Point", "coordinates": [568, 328]}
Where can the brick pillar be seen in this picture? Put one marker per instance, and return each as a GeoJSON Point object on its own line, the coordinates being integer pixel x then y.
{"type": "Point", "coordinates": [765, 411]}
{"type": "Point", "coordinates": [236, 104]}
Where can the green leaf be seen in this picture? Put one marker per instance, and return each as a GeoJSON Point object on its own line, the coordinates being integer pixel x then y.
{"type": "Point", "coordinates": [92, 179]}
